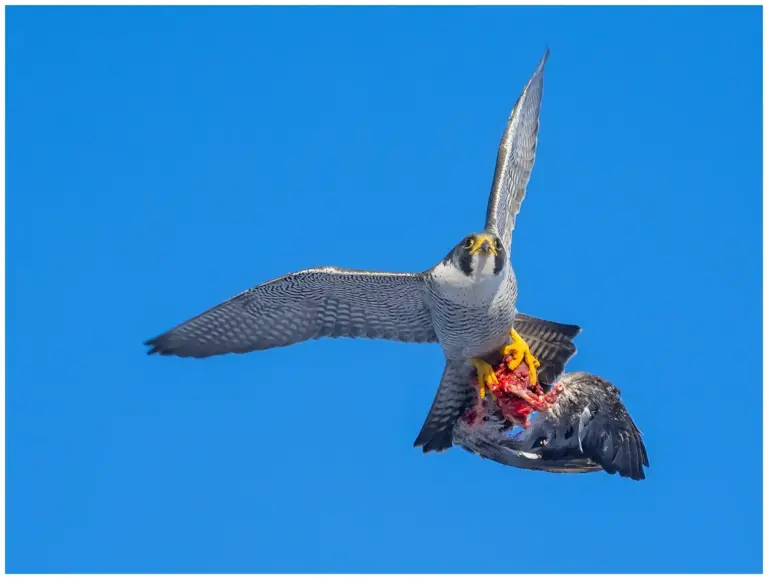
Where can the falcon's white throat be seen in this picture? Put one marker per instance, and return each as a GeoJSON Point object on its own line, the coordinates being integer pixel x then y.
{"type": "Point", "coordinates": [478, 288]}
{"type": "Point", "coordinates": [483, 266]}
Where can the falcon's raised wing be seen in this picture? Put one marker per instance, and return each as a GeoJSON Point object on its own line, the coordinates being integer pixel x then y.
{"type": "Point", "coordinates": [514, 162]}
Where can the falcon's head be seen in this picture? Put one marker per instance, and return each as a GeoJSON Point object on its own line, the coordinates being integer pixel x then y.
{"type": "Point", "coordinates": [480, 255]}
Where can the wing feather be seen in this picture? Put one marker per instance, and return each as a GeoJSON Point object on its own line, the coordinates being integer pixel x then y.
{"type": "Point", "coordinates": [607, 435]}
{"type": "Point", "coordinates": [496, 447]}
{"type": "Point", "coordinates": [308, 304]}
{"type": "Point", "coordinates": [514, 162]}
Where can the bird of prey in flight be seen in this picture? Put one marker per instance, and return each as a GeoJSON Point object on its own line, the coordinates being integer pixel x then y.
{"type": "Point", "coordinates": [466, 302]}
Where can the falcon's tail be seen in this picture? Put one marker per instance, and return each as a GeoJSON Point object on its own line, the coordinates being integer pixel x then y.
{"type": "Point", "coordinates": [551, 343]}
{"type": "Point", "coordinates": [454, 396]}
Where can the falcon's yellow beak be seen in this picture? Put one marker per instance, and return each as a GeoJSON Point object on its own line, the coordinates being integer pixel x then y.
{"type": "Point", "coordinates": [484, 243]}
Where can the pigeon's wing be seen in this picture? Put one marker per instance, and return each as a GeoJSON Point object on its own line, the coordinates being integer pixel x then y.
{"type": "Point", "coordinates": [550, 342]}
{"type": "Point", "coordinates": [313, 303]}
{"type": "Point", "coordinates": [488, 442]}
{"type": "Point", "coordinates": [515, 158]}
{"type": "Point", "coordinates": [454, 395]}
{"type": "Point", "coordinates": [588, 420]}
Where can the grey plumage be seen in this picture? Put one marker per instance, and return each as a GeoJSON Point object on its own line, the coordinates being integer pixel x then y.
{"type": "Point", "coordinates": [590, 420]}
{"type": "Point", "coordinates": [308, 304]}
{"type": "Point", "coordinates": [466, 302]}
{"type": "Point", "coordinates": [487, 440]}
{"type": "Point", "coordinates": [515, 159]}
{"type": "Point", "coordinates": [587, 429]}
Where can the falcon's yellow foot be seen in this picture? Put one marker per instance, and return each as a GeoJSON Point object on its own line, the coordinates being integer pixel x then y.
{"type": "Point", "coordinates": [485, 375]}
{"type": "Point", "coordinates": [520, 353]}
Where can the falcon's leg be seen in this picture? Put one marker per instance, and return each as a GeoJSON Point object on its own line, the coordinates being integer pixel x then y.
{"type": "Point", "coordinates": [520, 352]}
{"type": "Point", "coordinates": [485, 375]}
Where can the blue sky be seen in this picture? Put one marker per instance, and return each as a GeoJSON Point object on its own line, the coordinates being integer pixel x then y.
{"type": "Point", "coordinates": [155, 154]}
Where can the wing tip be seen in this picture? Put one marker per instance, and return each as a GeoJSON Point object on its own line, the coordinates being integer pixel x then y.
{"type": "Point", "coordinates": [152, 345]}
{"type": "Point", "coordinates": [634, 473]}
{"type": "Point", "coordinates": [156, 349]}
{"type": "Point", "coordinates": [630, 467]}
{"type": "Point", "coordinates": [160, 345]}
{"type": "Point", "coordinates": [543, 61]}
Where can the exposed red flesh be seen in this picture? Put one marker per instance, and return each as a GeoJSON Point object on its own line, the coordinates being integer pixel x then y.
{"type": "Point", "coordinates": [515, 396]}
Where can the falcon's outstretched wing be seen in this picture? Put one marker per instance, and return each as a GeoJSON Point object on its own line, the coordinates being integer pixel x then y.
{"type": "Point", "coordinates": [312, 303]}
{"type": "Point", "coordinates": [514, 161]}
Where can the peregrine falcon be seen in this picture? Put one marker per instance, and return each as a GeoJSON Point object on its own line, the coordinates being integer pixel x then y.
{"type": "Point", "coordinates": [466, 302]}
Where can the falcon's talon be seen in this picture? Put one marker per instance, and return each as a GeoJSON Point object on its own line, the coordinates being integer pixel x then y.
{"type": "Point", "coordinates": [519, 352]}
{"type": "Point", "coordinates": [486, 375]}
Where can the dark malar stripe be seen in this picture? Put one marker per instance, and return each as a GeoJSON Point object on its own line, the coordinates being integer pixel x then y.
{"type": "Point", "coordinates": [465, 263]}
{"type": "Point", "coordinates": [498, 264]}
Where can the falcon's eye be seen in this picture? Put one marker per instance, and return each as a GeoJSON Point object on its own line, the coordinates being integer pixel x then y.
{"type": "Point", "coordinates": [497, 244]}
{"type": "Point", "coordinates": [469, 243]}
